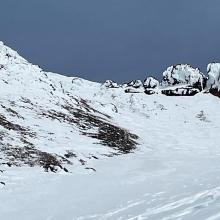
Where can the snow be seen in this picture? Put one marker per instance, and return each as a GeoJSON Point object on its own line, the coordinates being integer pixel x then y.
{"type": "Point", "coordinates": [151, 82]}
{"type": "Point", "coordinates": [213, 70]}
{"type": "Point", "coordinates": [182, 74]}
{"type": "Point", "coordinates": [137, 83]}
{"type": "Point", "coordinates": [110, 84]}
{"type": "Point", "coordinates": [173, 174]}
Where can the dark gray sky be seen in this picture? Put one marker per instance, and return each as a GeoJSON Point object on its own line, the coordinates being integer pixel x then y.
{"type": "Point", "coordinates": [112, 39]}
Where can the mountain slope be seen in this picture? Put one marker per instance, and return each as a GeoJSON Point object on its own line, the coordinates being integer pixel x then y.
{"type": "Point", "coordinates": [40, 114]}
{"type": "Point", "coordinates": [114, 152]}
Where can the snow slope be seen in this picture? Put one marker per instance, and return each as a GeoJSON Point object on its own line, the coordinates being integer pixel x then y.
{"type": "Point", "coordinates": [114, 155]}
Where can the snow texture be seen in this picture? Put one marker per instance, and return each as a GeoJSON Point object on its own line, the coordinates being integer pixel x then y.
{"type": "Point", "coordinates": [213, 70]}
{"type": "Point", "coordinates": [114, 155]}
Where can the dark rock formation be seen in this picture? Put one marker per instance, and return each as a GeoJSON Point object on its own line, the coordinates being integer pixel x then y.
{"type": "Point", "coordinates": [185, 91]}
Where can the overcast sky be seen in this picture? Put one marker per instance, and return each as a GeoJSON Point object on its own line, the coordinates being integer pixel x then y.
{"type": "Point", "coordinates": [112, 39]}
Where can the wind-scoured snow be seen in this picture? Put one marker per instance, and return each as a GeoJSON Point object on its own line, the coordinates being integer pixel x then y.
{"type": "Point", "coordinates": [113, 155]}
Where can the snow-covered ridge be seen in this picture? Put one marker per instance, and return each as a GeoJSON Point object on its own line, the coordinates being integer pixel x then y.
{"type": "Point", "coordinates": [181, 75]}
{"type": "Point", "coordinates": [116, 152]}
{"type": "Point", "coordinates": [36, 105]}
{"type": "Point", "coordinates": [178, 80]}
{"type": "Point", "coordinates": [44, 95]}
{"type": "Point", "coordinates": [32, 98]}
{"type": "Point", "coordinates": [10, 58]}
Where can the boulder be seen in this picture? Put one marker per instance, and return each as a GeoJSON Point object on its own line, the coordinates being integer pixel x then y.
{"type": "Point", "coordinates": [184, 91]}
{"type": "Point", "coordinates": [184, 74]}
{"type": "Point", "coordinates": [110, 84]}
{"type": "Point", "coordinates": [135, 84]}
{"type": "Point", "coordinates": [150, 92]}
{"type": "Point", "coordinates": [213, 83]}
{"type": "Point", "coordinates": [133, 90]}
{"type": "Point", "coordinates": [151, 83]}
{"type": "Point", "coordinates": [213, 71]}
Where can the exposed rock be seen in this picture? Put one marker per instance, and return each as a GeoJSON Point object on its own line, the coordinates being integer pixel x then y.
{"type": "Point", "coordinates": [178, 80]}
{"type": "Point", "coordinates": [110, 84]}
{"type": "Point", "coordinates": [108, 134]}
{"type": "Point", "coordinates": [213, 83]}
{"type": "Point", "coordinates": [150, 92]}
{"type": "Point", "coordinates": [184, 91]}
{"type": "Point", "coordinates": [151, 83]}
{"type": "Point", "coordinates": [29, 155]}
{"type": "Point", "coordinates": [135, 84]}
{"type": "Point", "coordinates": [184, 74]}
{"type": "Point", "coordinates": [215, 92]}
{"type": "Point", "coordinates": [134, 90]}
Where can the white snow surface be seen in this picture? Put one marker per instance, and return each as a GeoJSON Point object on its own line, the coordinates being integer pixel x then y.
{"type": "Point", "coordinates": [213, 70]}
{"type": "Point", "coordinates": [173, 174]}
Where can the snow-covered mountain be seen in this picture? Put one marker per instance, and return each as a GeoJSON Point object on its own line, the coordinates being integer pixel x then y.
{"type": "Point", "coordinates": [140, 150]}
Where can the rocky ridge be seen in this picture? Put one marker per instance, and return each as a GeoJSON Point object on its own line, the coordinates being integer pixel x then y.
{"type": "Point", "coordinates": [178, 80]}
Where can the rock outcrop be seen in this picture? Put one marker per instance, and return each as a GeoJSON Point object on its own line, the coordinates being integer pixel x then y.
{"type": "Point", "coordinates": [110, 84]}
{"type": "Point", "coordinates": [135, 86]}
{"type": "Point", "coordinates": [213, 83]}
{"type": "Point", "coordinates": [151, 83]}
{"type": "Point", "coordinates": [183, 80]}
{"type": "Point", "coordinates": [184, 74]}
{"type": "Point", "coordinates": [178, 80]}
{"type": "Point", "coordinates": [185, 91]}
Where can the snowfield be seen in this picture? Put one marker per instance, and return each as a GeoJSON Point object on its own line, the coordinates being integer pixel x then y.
{"type": "Point", "coordinates": [108, 154]}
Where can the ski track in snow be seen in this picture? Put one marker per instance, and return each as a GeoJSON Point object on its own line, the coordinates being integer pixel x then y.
{"type": "Point", "coordinates": [179, 209]}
